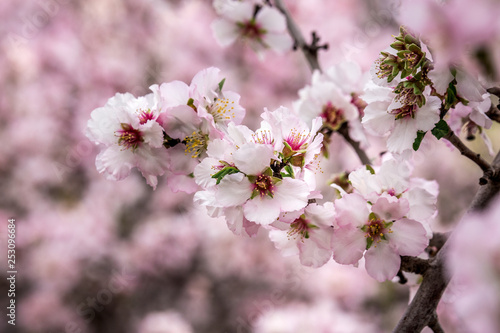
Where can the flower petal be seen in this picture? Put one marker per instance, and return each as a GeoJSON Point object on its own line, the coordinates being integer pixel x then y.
{"type": "Point", "coordinates": [408, 237]}
{"type": "Point", "coordinates": [382, 263]}
{"type": "Point", "coordinates": [348, 244]}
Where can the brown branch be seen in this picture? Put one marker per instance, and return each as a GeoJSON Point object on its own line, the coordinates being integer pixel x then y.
{"type": "Point", "coordinates": [421, 311]}
{"type": "Point", "coordinates": [344, 131]}
{"type": "Point", "coordinates": [310, 51]}
{"type": "Point", "coordinates": [488, 171]}
{"type": "Point", "coordinates": [434, 324]}
{"type": "Point", "coordinates": [414, 265]}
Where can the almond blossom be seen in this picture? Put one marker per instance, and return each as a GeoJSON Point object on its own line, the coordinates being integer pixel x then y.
{"type": "Point", "coordinates": [334, 96]}
{"type": "Point", "coordinates": [306, 232]}
{"type": "Point", "coordinates": [381, 232]}
{"type": "Point", "coordinates": [261, 26]}
{"type": "Point", "coordinates": [129, 135]}
{"type": "Point", "coordinates": [400, 115]}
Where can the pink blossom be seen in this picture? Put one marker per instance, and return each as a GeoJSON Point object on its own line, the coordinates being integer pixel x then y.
{"type": "Point", "coordinates": [127, 131]}
{"type": "Point", "coordinates": [382, 229]}
{"type": "Point", "coordinates": [306, 232]}
{"type": "Point", "coordinates": [265, 29]}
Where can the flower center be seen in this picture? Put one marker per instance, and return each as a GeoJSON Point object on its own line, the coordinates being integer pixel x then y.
{"type": "Point", "coordinates": [129, 137]}
{"type": "Point", "coordinates": [300, 227]}
{"type": "Point", "coordinates": [264, 137]}
{"type": "Point", "coordinates": [145, 115]}
{"type": "Point", "coordinates": [376, 230]}
{"type": "Point", "coordinates": [263, 185]}
{"type": "Point", "coordinates": [297, 140]}
{"type": "Point", "coordinates": [196, 144]}
{"type": "Point", "coordinates": [222, 110]}
{"type": "Point", "coordinates": [251, 30]}
{"type": "Point", "coordinates": [333, 116]}
{"type": "Point", "coordinates": [406, 111]}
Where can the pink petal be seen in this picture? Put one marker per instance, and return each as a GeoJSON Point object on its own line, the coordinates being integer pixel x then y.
{"type": "Point", "coordinates": [312, 255]}
{"type": "Point", "coordinates": [348, 244]}
{"type": "Point", "coordinates": [382, 263]}
{"type": "Point", "coordinates": [391, 209]}
{"type": "Point", "coordinates": [408, 237]}
{"type": "Point", "coordinates": [351, 210]}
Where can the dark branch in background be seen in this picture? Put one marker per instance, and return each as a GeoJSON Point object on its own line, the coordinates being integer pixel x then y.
{"type": "Point", "coordinates": [344, 131]}
{"type": "Point", "coordinates": [422, 310]}
{"type": "Point", "coordinates": [310, 50]}
{"type": "Point", "coordinates": [494, 112]}
{"type": "Point", "coordinates": [414, 265]}
{"type": "Point", "coordinates": [489, 172]}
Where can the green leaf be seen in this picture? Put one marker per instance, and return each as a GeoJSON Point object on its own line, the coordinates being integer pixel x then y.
{"type": "Point", "coordinates": [369, 242]}
{"type": "Point", "coordinates": [418, 140]}
{"type": "Point", "coordinates": [224, 172]}
{"type": "Point", "coordinates": [441, 129]}
{"type": "Point", "coordinates": [289, 172]}
{"type": "Point", "coordinates": [221, 84]}
{"type": "Point", "coordinates": [369, 168]}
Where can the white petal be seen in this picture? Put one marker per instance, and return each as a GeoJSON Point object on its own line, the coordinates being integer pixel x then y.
{"type": "Point", "coordinates": [233, 190]}
{"type": "Point", "coordinates": [271, 19]}
{"type": "Point", "coordinates": [115, 163]}
{"type": "Point", "coordinates": [376, 118]}
{"type": "Point", "coordinates": [402, 136]}
{"type": "Point", "coordinates": [291, 194]}
{"type": "Point", "coordinates": [225, 32]}
{"type": "Point", "coordinates": [286, 245]}
{"type": "Point", "coordinates": [253, 158]}
{"type": "Point", "coordinates": [261, 210]}
{"type": "Point", "coordinates": [279, 42]}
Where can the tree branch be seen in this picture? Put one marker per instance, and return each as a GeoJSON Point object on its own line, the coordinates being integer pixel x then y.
{"type": "Point", "coordinates": [343, 130]}
{"type": "Point", "coordinates": [488, 171]}
{"type": "Point", "coordinates": [421, 311]}
{"type": "Point", "coordinates": [310, 51]}
{"type": "Point", "coordinates": [414, 265]}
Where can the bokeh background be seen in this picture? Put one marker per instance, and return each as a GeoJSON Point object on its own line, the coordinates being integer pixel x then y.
{"type": "Point", "coordinates": [99, 256]}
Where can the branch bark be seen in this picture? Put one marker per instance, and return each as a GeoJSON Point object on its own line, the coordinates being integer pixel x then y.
{"type": "Point", "coordinates": [474, 157]}
{"type": "Point", "coordinates": [421, 311]}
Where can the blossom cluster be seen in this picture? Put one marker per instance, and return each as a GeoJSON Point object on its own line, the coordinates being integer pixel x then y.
{"type": "Point", "coordinates": [267, 177]}
{"type": "Point", "coordinates": [410, 95]}
{"type": "Point", "coordinates": [134, 132]}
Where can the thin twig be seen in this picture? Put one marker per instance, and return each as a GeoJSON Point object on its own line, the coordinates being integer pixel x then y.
{"type": "Point", "coordinates": [343, 130]}
{"type": "Point", "coordinates": [309, 51]}
{"type": "Point", "coordinates": [474, 157]}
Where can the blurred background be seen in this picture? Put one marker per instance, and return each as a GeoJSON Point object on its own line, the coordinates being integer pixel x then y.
{"type": "Point", "coordinates": [99, 256]}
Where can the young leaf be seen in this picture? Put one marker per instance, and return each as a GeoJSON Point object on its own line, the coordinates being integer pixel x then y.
{"type": "Point", "coordinates": [441, 129]}
{"type": "Point", "coordinates": [418, 140]}
{"type": "Point", "coordinates": [224, 172]}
